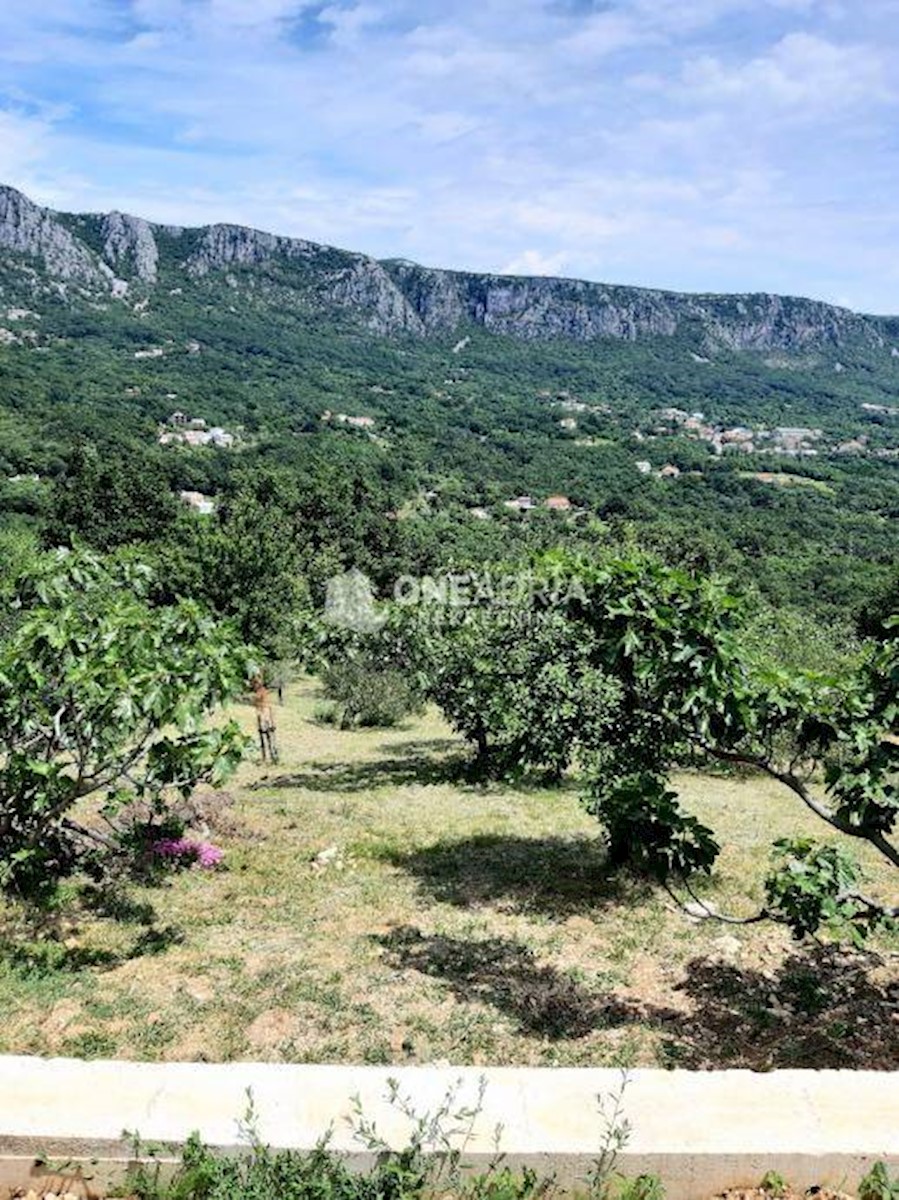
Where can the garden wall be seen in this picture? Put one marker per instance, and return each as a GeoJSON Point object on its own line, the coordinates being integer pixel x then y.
{"type": "Point", "coordinates": [701, 1132]}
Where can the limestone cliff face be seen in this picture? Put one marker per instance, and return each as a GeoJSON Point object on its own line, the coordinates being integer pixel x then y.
{"type": "Point", "coordinates": [397, 296]}
{"type": "Point", "coordinates": [221, 246]}
{"type": "Point", "coordinates": [571, 309]}
{"type": "Point", "coordinates": [129, 246]}
{"type": "Point", "coordinates": [364, 286]}
{"type": "Point", "coordinates": [27, 229]}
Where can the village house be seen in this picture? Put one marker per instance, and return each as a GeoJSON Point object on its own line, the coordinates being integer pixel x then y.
{"type": "Point", "coordinates": [557, 503]}
{"type": "Point", "coordinates": [199, 502]}
{"type": "Point", "coordinates": [195, 437]}
{"type": "Point", "coordinates": [345, 419]}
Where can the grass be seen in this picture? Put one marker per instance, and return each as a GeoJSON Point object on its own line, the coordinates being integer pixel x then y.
{"type": "Point", "coordinates": [786, 479]}
{"type": "Point", "coordinates": [452, 922]}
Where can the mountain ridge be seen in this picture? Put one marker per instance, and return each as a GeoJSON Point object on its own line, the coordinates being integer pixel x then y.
{"type": "Point", "coordinates": [117, 255]}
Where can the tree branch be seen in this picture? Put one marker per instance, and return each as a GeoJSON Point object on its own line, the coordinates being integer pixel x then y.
{"type": "Point", "coordinates": [873, 906]}
{"type": "Point", "coordinates": [93, 835]}
{"type": "Point", "coordinates": [711, 914]}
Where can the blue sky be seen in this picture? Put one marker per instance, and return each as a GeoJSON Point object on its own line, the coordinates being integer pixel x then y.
{"type": "Point", "coordinates": [704, 145]}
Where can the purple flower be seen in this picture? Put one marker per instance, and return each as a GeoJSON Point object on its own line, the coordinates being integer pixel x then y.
{"type": "Point", "coordinates": [208, 855]}
{"type": "Point", "coordinates": [185, 852]}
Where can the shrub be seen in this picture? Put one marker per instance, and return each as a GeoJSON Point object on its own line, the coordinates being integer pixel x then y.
{"type": "Point", "coordinates": [648, 831]}
{"type": "Point", "coordinates": [103, 695]}
{"type": "Point", "coordinates": [366, 695]}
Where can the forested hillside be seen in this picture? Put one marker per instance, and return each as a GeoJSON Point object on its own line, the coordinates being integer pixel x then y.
{"type": "Point", "coordinates": [329, 409]}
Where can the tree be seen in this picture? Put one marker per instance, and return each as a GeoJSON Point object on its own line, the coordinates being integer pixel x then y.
{"type": "Point", "coordinates": [243, 564]}
{"type": "Point", "coordinates": [366, 691]}
{"type": "Point", "coordinates": [108, 499]}
{"type": "Point", "coordinates": [103, 696]}
{"type": "Point", "coordinates": [515, 677]}
{"type": "Point", "coordinates": [674, 643]}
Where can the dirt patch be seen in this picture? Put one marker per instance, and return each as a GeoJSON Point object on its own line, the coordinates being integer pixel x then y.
{"type": "Point", "coordinates": [60, 1019]}
{"type": "Point", "coordinates": [271, 1030]}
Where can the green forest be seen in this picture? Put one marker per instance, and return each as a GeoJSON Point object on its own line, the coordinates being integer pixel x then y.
{"type": "Point", "coordinates": [454, 424]}
{"type": "Point", "coordinates": [700, 541]}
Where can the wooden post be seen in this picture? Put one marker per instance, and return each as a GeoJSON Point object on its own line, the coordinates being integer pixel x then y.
{"type": "Point", "coordinates": [265, 722]}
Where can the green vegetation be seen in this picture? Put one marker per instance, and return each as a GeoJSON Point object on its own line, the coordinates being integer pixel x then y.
{"type": "Point", "coordinates": [878, 1184]}
{"type": "Point", "coordinates": [774, 1183]}
{"type": "Point", "coordinates": [630, 669]}
{"type": "Point", "coordinates": [375, 906]}
{"type": "Point", "coordinates": [433, 1163]}
{"type": "Point", "coordinates": [452, 431]}
{"type": "Point", "coordinates": [362, 692]}
{"type": "Point", "coordinates": [103, 696]}
{"type": "Point", "coordinates": [636, 489]}
{"type": "Point", "coordinates": [521, 683]}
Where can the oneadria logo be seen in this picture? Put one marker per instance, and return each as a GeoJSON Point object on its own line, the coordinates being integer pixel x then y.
{"type": "Point", "coordinates": [350, 603]}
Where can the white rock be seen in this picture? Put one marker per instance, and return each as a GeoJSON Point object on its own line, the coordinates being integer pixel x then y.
{"type": "Point", "coordinates": [727, 947]}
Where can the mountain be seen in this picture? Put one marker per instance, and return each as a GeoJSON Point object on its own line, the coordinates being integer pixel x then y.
{"type": "Point", "coordinates": [117, 257]}
{"type": "Point", "coordinates": [757, 433]}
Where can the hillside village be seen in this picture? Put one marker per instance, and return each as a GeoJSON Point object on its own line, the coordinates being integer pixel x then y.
{"type": "Point", "coordinates": [181, 430]}
{"type": "Point", "coordinates": [787, 441]}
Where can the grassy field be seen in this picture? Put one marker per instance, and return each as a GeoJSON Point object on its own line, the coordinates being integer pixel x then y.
{"type": "Point", "coordinates": [374, 909]}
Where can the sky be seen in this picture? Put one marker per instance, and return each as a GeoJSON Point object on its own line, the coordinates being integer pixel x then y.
{"type": "Point", "coordinates": [700, 145]}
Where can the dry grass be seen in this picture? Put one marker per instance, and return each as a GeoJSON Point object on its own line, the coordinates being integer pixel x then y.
{"type": "Point", "coordinates": [453, 922]}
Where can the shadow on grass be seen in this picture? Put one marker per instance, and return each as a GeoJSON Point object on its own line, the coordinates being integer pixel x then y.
{"type": "Point", "coordinates": [418, 747]}
{"type": "Point", "coordinates": [347, 778]}
{"type": "Point", "coordinates": [553, 875]}
{"type": "Point", "coordinates": [118, 905]}
{"type": "Point", "coordinates": [36, 959]}
{"type": "Point", "coordinates": [823, 1008]}
{"type": "Point", "coordinates": [505, 974]}
{"type": "Point", "coordinates": [423, 761]}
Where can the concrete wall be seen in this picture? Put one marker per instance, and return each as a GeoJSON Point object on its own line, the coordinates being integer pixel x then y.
{"type": "Point", "coordinates": [701, 1132]}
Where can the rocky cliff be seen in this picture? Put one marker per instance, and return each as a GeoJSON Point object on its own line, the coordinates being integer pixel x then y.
{"type": "Point", "coordinates": [116, 252]}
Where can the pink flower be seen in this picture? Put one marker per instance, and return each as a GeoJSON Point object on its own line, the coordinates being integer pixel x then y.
{"type": "Point", "coordinates": [186, 852]}
{"type": "Point", "coordinates": [209, 855]}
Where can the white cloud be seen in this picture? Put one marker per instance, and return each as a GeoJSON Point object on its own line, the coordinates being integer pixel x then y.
{"type": "Point", "coordinates": [535, 262]}
{"type": "Point", "coordinates": [802, 72]}
{"type": "Point", "coordinates": [604, 33]}
{"type": "Point", "coordinates": [691, 143]}
{"type": "Point", "coordinates": [24, 146]}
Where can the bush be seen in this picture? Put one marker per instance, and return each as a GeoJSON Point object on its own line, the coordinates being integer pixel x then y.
{"type": "Point", "coordinates": [365, 695]}
{"type": "Point", "coordinates": [648, 832]}
{"type": "Point", "coordinates": [103, 695]}
{"type": "Point", "coordinates": [520, 683]}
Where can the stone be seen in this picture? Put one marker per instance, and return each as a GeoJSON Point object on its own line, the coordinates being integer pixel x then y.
{"type": "Point", "coordinates": [28, 229]}
{"type": "Point", "coordinates": [727, 947]}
